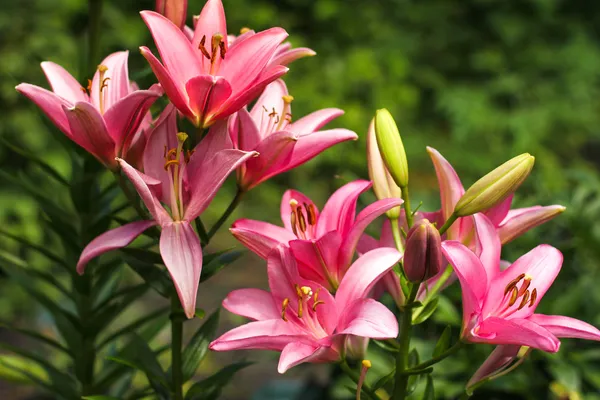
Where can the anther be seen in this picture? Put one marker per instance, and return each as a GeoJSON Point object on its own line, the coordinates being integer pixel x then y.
{"type": "Point", "coordinates": [293, 222]}
{"type": "Point", "coordinates": [533, 298]}
{"type": "Point", "coordinates": [513, 297]}
{"type": "Point", "coordinates": [525, 286]}
{"type": "Point", "coordinates": [301, 220]}
{"type": "Point", "coordinates": [284, 306]}
{"type": "Point", "coordinates": [171, 162]}
{"type": "Point", "coordinates": [202, 48]}
{"type": "Point", "coordinates": [513, 283]}
{"type": "Point", "coordinates": [171, 153]}
{"type": "Point", "coordinates": [311, 214]}
{"type": "Point", "coordinates": [222, 50]}
{"type": "Point", "coordinates": [244, 30]}
{"type": "Point", "coordinates": [525, 300]}
{"type": "Point", "coordinates": [306, 291]}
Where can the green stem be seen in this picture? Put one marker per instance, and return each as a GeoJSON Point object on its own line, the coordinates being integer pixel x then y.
{"type": "Point", "coordinates": [448, 223]}
{"type": "Point", "coordinates": [397, 235]}
{"type": "Point", "coordinates": [86, 358]}
{"type": "Point", "coordinates": [407, 211]}
{"type": "Point", "coordinates": [437, 359]}
{"type": "Point", "coordinates": [201, 231]}
{"type": "Point", "coordinates": [232, 206]}
{"type": "Point", "coordinates": [435, 289]}
{"type": "Point", "coordinates": [95, 16]}
{"type": "Point", "coordinates": [355, 377]}
{"type": "Point", "coordinates": [176, 346]}
{"type": "Point", "coordinates": [401, 379]}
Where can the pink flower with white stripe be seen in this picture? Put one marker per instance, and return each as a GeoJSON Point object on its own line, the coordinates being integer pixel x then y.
{"type": "Point", "coordinates": [302, 319]}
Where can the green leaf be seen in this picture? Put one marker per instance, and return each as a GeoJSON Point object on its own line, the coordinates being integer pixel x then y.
{"type": "Point", "coordinates": [381, 382]}
{"type": "Point", "coordinates": [147, 256]}
{"type": "Point", "coordinates": [100, 397]}
{"type": "Point", "coordinates": [413, 380]}
{"type": "Point", "coordinates": [133, 326]}
{"type": "Point", "coordinates": [425, 312]}
{"type": "Point", "coordinates": [156, 277]}
{"type": "Point", "coordinates": [36, 336]}
{"type": "Point", "coordinates": [36, 160]}
{"type": "Point", "coordinates": [197, 348]}
{"type": "Point", "coordinates": [215, 262]}
{"type": "Point", "coordinates": [37, 248]}
{"type": "Point", "coordinates": [210, 388]}
{"type": "Point", "coordinates": [429, 393]}
{"type": "Point", "coordinates": [385, 346]}
{"type": "Point", "coordinates": [443, 342]}
{"type": "Point", "coordinates": [12, 365]}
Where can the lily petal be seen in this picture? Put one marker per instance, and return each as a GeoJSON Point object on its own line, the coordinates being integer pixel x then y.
{"type": "Point", "coordinates": [501, 357]}
{"type": "Point", "coordinates": [210, 22]}
{"type": "Point", "coordinates": [256, 304]}
{"type": "Point", "coordinates": [286, 209]}
{"type": "Point", "coordinates": [368, 318]}
{"type": "Point", "coordinates": [50, 103]}
{"type": "Point", "coordinates": [516, 331]}
{"type": "Point", "coordinates": [180, 250]}
{"type": "Point", "coordinates": [321, 256]}
{"type": "Point", "coordinates": [298, 353]}
{"type": "Point", "coordinates": [111, 240]}
{"type": "Point", "coordinates": [115, 81]}
{"type": "Point", "coordinates": [270, 100]}
{"type": "Point", "coordinates": [565, 327]}
{"type": "Point", "coordinates": [364, 274]}
{"type": "Point", "coordinates": [260, 237]}
{"type": "Point", "coordinates": [340, 210]}
{"type": "Point", "coordinates": [316, 120]}
{"type": "Point", "coordinates": [243, 131]}
{"type": "Point", "coordinates": [497, 213]}
{"type": "Point", "coordinates": [487, 245]}
{"type": "Point", "coordinates": [63, 83]}
{"type": "Point", "coordinates": [519, 221]}
{"type": "Point", "coordinates": [273, 334]}
{"type": "Point", "coordinates": [206, 95]}
{"type": "Point", "coordinates": [289, 56]}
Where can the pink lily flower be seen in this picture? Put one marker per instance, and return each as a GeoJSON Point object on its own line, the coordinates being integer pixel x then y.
{"type": "Point", "coordinates": [205, 79]}
{"type": "Point", "coordinates": [499, 306]}
{"type": "Point", "coordinates": [105, 118]}
{"type": "Point", "coordinates": [510, 224]}
{"type": "Point", "coordinates": [322, 242]}
{"type": "Point", "coordinates": [281, 143]}
{"type": "Point", "coordinates": [186, 183]}
{"type": "Point", "coordinates": [302, 319]}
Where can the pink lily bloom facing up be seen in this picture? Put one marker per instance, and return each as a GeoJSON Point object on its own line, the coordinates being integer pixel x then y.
{"type": "Point", "coordinates": [185, 183]}
{"type": "Point", "coordinates": [499, 306]}
{"type": "Point", "coordinates": [108, 118]}
{"type": "Point", "coordinates": [206, 79]}
{"type": "Point", "coordinates": [302, 319]}
{"type": "Point", "coordinates": [281, 143]}
{"type": "Point", "coordinates": [323, 242]}
{"type": "Point", "coordinates": [510, 224]}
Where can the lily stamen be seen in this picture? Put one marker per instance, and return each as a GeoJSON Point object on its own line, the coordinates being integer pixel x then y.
{"type": "Point", "coordinates": [284, 306]}
{"type": "Point", "coordinates": [102, 70]}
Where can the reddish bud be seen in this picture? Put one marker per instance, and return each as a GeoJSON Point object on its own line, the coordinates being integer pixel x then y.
{"type": "Point", "coordinates": [175, 10]}
{"type": "Point", "coordinates": [423, 254]}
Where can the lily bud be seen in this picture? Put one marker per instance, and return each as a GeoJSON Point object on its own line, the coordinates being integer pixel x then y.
{"type": "Point", "coordinates": [383, 183]}
{"type": "Point", "coordinates": [495, 186]}
{"type": "Point", "coordinates": [423, 254]}
{"type": "Point", "coordinates": [175, 10]}
{"type": "Point", "coordinates": [391, 147]}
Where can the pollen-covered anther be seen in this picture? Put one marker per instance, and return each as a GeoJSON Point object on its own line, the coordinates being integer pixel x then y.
{"type": "Point", "coordinates": [202, 49]}
{"type": "Point", "coordinates": [513, 283]}
{"type": "Point", "coordinates": [316, 300]}
{"type": "Point", "coordinates": [284, 306]}
{"type": "Point", "coordinates": [244, 30]}
{"type": "Point", "coordinates": [513, 296]}
{"type": "Point", "coordinates": [311, 214]}
{"type": "Point", "coordinates": [169, 163]}
{"type": "Point", "coordinates": [525, 300]}
{"type": "Point", "coordinates": [533, 298]}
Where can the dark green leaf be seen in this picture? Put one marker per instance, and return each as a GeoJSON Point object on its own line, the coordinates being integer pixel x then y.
{"type": "Point", "coordinates": [36, 160]}
{"type": "Point", "coordinates": [424, 313]}
{"type": "Point", "coordinates": [213, 263]}
{"type": "Point", "coordinates": [385, 346]}
{"type": "Point", "coordinates": [210, 388]}
{"type": "Point", "coordinates": [443, 342]}
{"type": "Point", "coordinates": [133, 326]}
{"type": "Point", "coordinates": [429, 393]}
{"type": "Point", "coordinates": [147, 256]}
{"type": "Point", "coordinates": [381, 382]}
{"type": "Point", "coordinates": [37, 336]}
{"type": "Point", "coordinates": [197, 348]}
{"type": "Point", "coordinates": [100, 397]}
{"type": "Point", "coordinates": [40, 249]}
{"type": "Point", "coordinates": [155, 276]}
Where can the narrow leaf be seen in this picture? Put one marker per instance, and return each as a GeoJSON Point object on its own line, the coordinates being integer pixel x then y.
{"type": "Point", "coordinates": [443, 342]}
{"type": "Point", "coordinates": [429, 393]}
{"type": "Point", "coordinates": [213, 263]}
{"type": "Point", "coordinates": [426, 312]}
{"type": "Point", "coordinates": [210, 388]}
{"type": "Point", "coordinates": [197, 348]}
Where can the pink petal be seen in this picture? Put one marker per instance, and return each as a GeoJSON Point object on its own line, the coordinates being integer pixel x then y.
{"type": "Point", "coordinates": [321, 256]}
{"type": "Point", "coordinates": [216, 139]}
{"type": "Point", "coordinates": [51, 104]}
{"type": "Point", "coordinates": [181, 252]}
{"type": "Point", "coordinates": [260, 237]}
{"type": "Point", "coordinates": [313, 144]}
{"type": "Point", "coordinates": [116, 79]}
{"type": "Point", "coordinates": [63, 84]}
{"type": "Point", "coordinates": [174, 89]}
{"type": "Point", "coordinates": [243, 97]}
{"type": "Point", "coordinates": [282, 271]}
{"type": "Point", "coordinates": [471, 274]}
{"type": "Point", "coordinates": [256, 304]}
{"type": "Point", "coordinates": [246, 61]}
{"type": "Point", "coordinates": [451, 188]}
{"type": "Point", "coordinates": [500, 358]}
{"type": "Point", "coordinates": [368, 318]}
{"type": "Point", "coordinates": [516, 331]}
{"type": "Point", "coordinates": [497, 213]}
{"type": "Point", "coordinates": [541, 264]}
{"type": "Point", "coordinates": [89, 131]}
{"type": "Point", "coordinates": [271, 99]}
{"type": "Point", "coordinates": [123, 119]}
{"type": "Point", "coordinates": [339, 211]}
{"type": "Point", "coordinates": [174, 10]}
{"type": "Point", "coordinates": [210, 22]}
{"type": "Point", "coordinates": [366, 243]}
{"type": "Point", "coordinates": [206, 95]}
{"type": "Point", "coordinates": [141, 183]}
{"type": "Point", "coordinates": [487, 245]}
{"type": "Point", "coordinates": [111, 240]}
{"type": "Point", "coordinates": [364, 274]}
{"type": "Point", "coordinates": [297, 353]}
{"type": "Point", "coordinates": [363, 219]}
{"type": "Point", "coordinates": [178, 55]}
{"type": "Point", "coordinates": [272, 334]}
{"type": "Point", "coordinates": [286, 209]}
{"type": "Point", "coordinates": [565, 327]}
{"type": "Point", "coordinates": [273, 154]}
{"type": "Point", "coordinates": [520, 221]}
{"type": "Point", "coordinates": [243, 131]}
{"type": "Point", "coordinates": [204, 185]}
{"type": "Point", "coordinates": [289, 56]}
{"type": "Point", "coordinates": [316, 120]}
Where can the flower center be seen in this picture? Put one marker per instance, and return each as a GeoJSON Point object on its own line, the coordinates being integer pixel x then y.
{"type": "Point", "coordinates": [173, 165]}
{"type": "Point", "coordinates": [517, 297]}
{"type": "Point", "coordinates": [103, 85]}
{"type": "Point", "coordinates": [277, 122]}
{"type": "Point", "coordinates": [303, 219]}
{"type": "Point", "coordinates": [217, 48]}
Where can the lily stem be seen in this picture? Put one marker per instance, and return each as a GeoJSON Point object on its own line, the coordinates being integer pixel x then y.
{"type": "Point", "coordinates": [401, 379]}
{"type": "Point", "coordinates": [437, 359]}
{"type": "Point", "coordinates": [355, 377]}
{"type": "Point", "coordinates": [407, 211]}
{"type": "Point", "coordinates": [176, 345]}
{"type": "Point", "coordinates": [431, 293]}
{"type": "Point", "coordinates": [230, 209]}
{"type": "Point", "coordinates": [448, 223]}
{"type": "Point", "coordinates": [396, 234]}
{"type": "Point", "coordinates": [94, 15]}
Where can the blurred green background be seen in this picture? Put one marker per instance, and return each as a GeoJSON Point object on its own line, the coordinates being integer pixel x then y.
{"type": "Point", "coordinates": [479, 80]}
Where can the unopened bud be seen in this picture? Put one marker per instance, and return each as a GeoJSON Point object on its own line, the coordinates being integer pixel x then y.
{"type": "Point", "coordinates": [423, 254]}
{"type": "Point", "coordinates": [391, 147]}
{"type": "Point", "coordinates": [383, 183]}
{"type": "Point", "coordinates": [175, 10]}
{"type": "Point", "coordinates": [495, 186]}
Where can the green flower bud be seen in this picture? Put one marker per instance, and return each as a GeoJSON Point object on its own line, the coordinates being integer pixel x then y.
{"type": "Point", "coordinates": [495, 186]}
{"type": "Point", "coordinates": [391, 147]}
{"type": "Point", "coordinates": [423, 254]}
